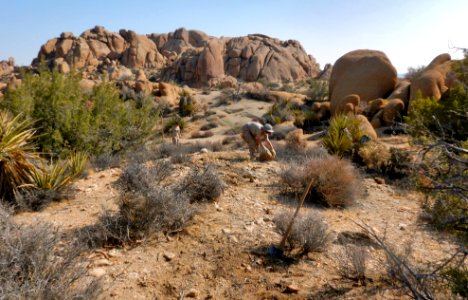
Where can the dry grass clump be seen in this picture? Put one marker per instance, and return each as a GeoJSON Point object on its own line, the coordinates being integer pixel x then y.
{"type": "Point", "coordinates": [139, 178]}
{"type": "Point", "coordinates": [35, 263]}
{"type": "Point", "coordinates": [202, 185]}
{"type": "Point", "coordinates": [140, 216]}
{"type": "Point", "coordinates": [374, 155]}
{"type": "Point", "coordinates": [352, 263]}
{"type": "Point", "coordinates": [201, 134]}
{"type": "Point", "coordinates": [335, 181]}
{"type": "Point", "coordinates": [295, 141]}
{"type": "Point", "coordinates": [209, 126]}
{"type": "Point", "coordinates": [291, 156]}
{"type": "Point", "coordinates": [105, 161]}
{"type": "Point", "coordinates": [309, 231]}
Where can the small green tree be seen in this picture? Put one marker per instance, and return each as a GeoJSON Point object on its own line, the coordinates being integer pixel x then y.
{"type": "Point", "coordinates": [69, 119]}
{"type": "Point", "coordinates": [440, 129]}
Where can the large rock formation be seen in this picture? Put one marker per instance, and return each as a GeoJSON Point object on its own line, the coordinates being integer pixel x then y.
{"type": "Point", "coordinates": [186, 55]}
{"type": "Point", "coordinates": [435, 79]}
{"type": "Point", "coordinates": [368, 74]}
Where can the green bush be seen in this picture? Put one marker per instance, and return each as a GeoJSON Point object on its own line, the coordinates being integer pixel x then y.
{"type": "Point", "coordinates": [343, 135]}
{"type": "Point", "coordinates": [187, 105]}
{"type": "Point", "coordinates": [176, 120]}
{"type": "Point", "coordinates": [318, 90]}
{"type": "Point", "coordinates": [440, 129]}
{"type": "Point", "coordinates": [69, 119]}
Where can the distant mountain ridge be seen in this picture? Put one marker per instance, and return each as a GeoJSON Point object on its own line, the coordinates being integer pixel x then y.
{"type": "Point", "coordinates": [189, 56]}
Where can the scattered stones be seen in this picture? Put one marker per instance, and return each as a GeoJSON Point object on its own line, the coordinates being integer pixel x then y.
{"type": "Point", "coordinates": [291, 289]}
{"type": "Point", "coordinates": [102, 263]}
{"type": "Point", "coordinates": [115, 253]}
{"type": "Point", "coordinates": [379, 180]}
{"type": "Point", "coordinates": [402, 226]}
{"type": "Point", "coordinates": [169, 256]}
{"type": "Point", "coordinates": [192, 293]}
{"type": "Point", "coordinates": [97, 272]}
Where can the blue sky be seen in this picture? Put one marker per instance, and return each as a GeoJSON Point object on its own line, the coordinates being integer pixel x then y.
{"type": "Point", "coordinates": [410, 32]}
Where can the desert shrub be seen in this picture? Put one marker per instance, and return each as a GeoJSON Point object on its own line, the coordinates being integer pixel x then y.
{"type": "Point", "coordinates": [343, 135]}
{"type": "Point", "coordinates": [36, 263]}
{"type": "Point", "coordinates": [414, 72]}
{"type": "Point", "coordinates": [105, 161]}
{"type": "Point", "coordinates": [202, 185]}
{"type": "Point", "coordinates": [208, 126]}
{"type": "Point", "coordinates": [318, 90]}
{"type": "Point", "coordinates": [34, 199]}
{"type": "Point", "coordinates": [295, 141]}
{"type": "Point", "coordinates": [140, 216]}
{"type": "Point", "coordinates": [201, 134]}
{"type": "Point", "coordinates": [458, 280]}
{"type": "Point", "coordinates": [428, 118]}
{"type": "Point", "coordinates": [140, 178]}
{"type": "Point", "coordinates": [213, 146]}
{"type": "Point", "coordinates": [440, 130]}
{"type": "Point", "coordinates": [69, 119]}
{"type": "Point", "coordinates": [335, 181]}
{"type": "Point", "coordinates": [176, 120]}
{"type": "Point", "coordinates": [309, 231]}
{"type": "Point", "coordinates": [400, 164]}
{"type": "Point", "coordinates": [352, 263]}
{"type": "Point", "coordinates": [281, 111]}
{"type": "Point", "coordinates": [291, 155]}
{"type": "Point", "coordinates": [187, 105]}
{"type": "Point", "coordinates": [374, 155]}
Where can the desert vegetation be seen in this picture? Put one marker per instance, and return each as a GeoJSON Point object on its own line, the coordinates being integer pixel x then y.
{"type": "Point", "coordinates": [186, 220]}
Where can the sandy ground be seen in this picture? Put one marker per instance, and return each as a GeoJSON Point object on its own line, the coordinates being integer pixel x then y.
{"type": "Point", "coordinates": [221, 256]}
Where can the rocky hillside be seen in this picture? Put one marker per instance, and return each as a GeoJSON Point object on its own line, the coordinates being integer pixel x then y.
{"type": "Point", "coordinates": [190, 56]}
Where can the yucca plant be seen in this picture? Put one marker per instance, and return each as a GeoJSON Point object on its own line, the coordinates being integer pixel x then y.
{"type": "Point", "coordinates": [52, 177]}
{"type": "Point", "coordinates": [343, 134]}
{"type": "Point", "coordinates": [17, 154]}
{"type": "Point", "coordinates": [77, 163]}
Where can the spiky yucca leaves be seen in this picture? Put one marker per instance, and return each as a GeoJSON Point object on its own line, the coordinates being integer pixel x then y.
{"type": "Point", "coordinates": [77, 163]}
{"type": "Point", "coordinates": [52, 177]}
{"type": "Point", "coordinates": [17, 154]}
{"type": "Point", "coordinates": [343, 134]}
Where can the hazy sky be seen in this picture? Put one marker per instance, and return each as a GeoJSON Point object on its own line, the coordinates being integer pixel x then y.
{"type": "Point", "coordinates": [410, 32]}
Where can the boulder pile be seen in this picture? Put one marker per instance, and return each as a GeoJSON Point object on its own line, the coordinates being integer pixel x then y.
{"type": "Point", "coordinates": [184, 55]}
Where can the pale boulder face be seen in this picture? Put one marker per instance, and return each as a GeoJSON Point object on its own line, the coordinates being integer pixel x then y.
{"type": "Point", "coordinates": [210, 62]}
{"type": "Point", "coordinates": [366, 73]}
{"type": "Point", "coordinates": [190, 56]}
{"type": "Point", "coordinates": [348, 104]}
{"type": "Point", "coordinates": [434, 80]}
{"type": "Point", "coordinates": [366, 127]}
{"type": "Point", "coordinates": [141, 53]}
{"type": "Point", "coordinates": [170, 93]}
{"type": "Point", "coordinates": [257, 56]}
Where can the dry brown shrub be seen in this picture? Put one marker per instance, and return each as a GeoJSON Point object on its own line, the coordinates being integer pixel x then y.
{"type": "Point", "coordinates": [309, 231]}
{"type": "Point", "coordinates": [37, 262]}
{"type": "Point", "coordinates": [353, 263]}
{"type": "Point", "coordinates": [295, 141]}
{"type": "Point", "coordinates": [201, 134]}
{"type": "Point", "coordinates": [335, 181]}
{"type": "Point", "coordinates": [375, 155]}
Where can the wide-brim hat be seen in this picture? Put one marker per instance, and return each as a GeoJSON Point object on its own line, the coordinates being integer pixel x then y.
{"type": "Point", "coordinates": [267, 128]}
